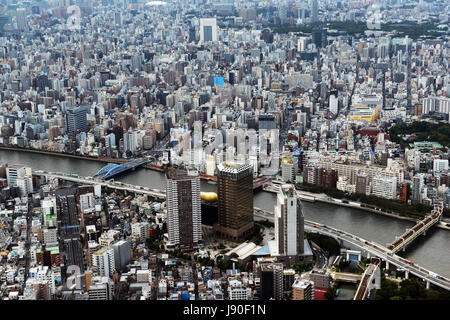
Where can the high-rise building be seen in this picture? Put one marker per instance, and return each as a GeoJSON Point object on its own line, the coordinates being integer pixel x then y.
{"type": "Point", "coordinates": [439, 165]}
{"type": "Point", "coordinates": [302, 43]}
{"type": "Point", "coordinates": [289, 168]}
{"type": "Point", "coordinates": [49, 212]}
{"type": "Point", "coordinates": [118, 18]}
{"type": "Point", "coordinates": [289, 222]}
{"type": "Point", "coordinates": [235, 188]}
{"type": "Point", "coordinates": [288, 279]}
{"type": "Point", "coordinates": [314, 10]}
{"type": "Point", "coordinates": [208, 29]}
{"type": "Point", "coordinates": [384, 187]}
{"type": "Point", "coordinates": [129, 141]}
{"type": "Point", "coordinates": [76, 119]}
{"type": "Point", "coordinates": [122, 254]}
{"type": "Point", "coordinates": [319, 37]}
{"type": "Point", "coordinates": [362, 184]}
{"type": "Point", "coordinates": [271, 277]}
{"type": "Point", "coordinates": [140, 230]}
{"type": "Point", "coordinates": [418, 184]}
{"type": "Point", "coordinates": [14, 172]}
{"type": "Point", "coordinates": [184, 210]}
{"type": "Point", "coordinates": [103, 259]}
{"type": "Point", "coordinates": [21, 17]}
{"type": "Point", "coordinates": [101, 288]}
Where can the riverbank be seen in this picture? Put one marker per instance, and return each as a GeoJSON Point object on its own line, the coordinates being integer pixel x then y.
{"type": "Point", "coordinates": [103, 160]}
{"type": "Point", "coordinates": [62, 154]}
{"type": "Point", "coordinates": [379, 211]}
{"type": "Point", "coordinates": [323, 198]}
{"type": "Point", "coordinates": [317, 197]}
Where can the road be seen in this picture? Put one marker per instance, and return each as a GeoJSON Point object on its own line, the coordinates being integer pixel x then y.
{"type": "Point", "coordinates": [109, 184]}
{"type": "Point", "coordinates": [320, 256]}
{"type": "Point", "coordinates": [28, 241]}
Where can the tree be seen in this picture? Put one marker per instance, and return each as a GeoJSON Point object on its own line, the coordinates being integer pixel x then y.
{"type": "Point", "coordinates": [388, 289]}
{"type": "Point", "coordinates": [330, 294]}
{"type": "Point", "coordinates": [412, 288]}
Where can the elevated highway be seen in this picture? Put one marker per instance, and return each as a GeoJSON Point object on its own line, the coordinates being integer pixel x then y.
{"type": "Point", "coordinates": [369, 281]}
{"type": "Point", "coordinates": [108, 184]}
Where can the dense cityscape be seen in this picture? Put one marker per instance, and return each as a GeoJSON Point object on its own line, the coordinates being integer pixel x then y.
{"type": "Point", "coordinates": [211, 106]}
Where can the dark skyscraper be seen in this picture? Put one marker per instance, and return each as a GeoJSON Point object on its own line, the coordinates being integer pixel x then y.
{"type": "Point", "coordinates": [271, 275]}
{"type": "Point", "coordinates": [235, 186]}
{"type": "Point", "coordinates": [319, 37]}
{"type": "Point", "coordinates": [76, 119]}
{"type": "Point", "coordinates": [207, 31]}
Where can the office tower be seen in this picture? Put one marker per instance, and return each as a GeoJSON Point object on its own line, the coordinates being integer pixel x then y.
{"type": "Point", "coordinates": [87, 203]}
{"type": "Point", "coordinates": [70, 231]}
{"type": "Point", "coordinates": [333, 104]}
{"type": "Point", "coordinates": [100, 288]}
{"type": "Point", "coordinates": [384, 187]}
{"type": "Point", "coordinates": [314, 11]}
{"type": "Point", "coordinates": [184, 210]}
{"type": "Point", "coordinates": [271, 276]}
{"type": "Point", "coordinates": [3, 21]}
{"type": "Point", "coordinates": [22, 19]}
{"type": "Point", "coordinates": [122, 254]}
{"type": "Point", "coordinates": [319, 37]}
{"type": "Point", "coordinates": [118, 18]}
{"type": "Point", "coordinates": [418, 185]}
{"type": "Point", "coordinates": [140, 230]}
{"type": "Point", "coordinates": [14, 172]}
{"type": "Point", "coordinates": [302, 43]}
{"type": "Point", "coordinates": [301, 14]}
{"type": "Point", "coordinates": [208, 29]}
{"type": "Point", "coordinates": [49, 212]}
{"type": "Point", "coordinates": [76, 119]}
{"type": "Point", "coordinates": [289, 222]}
{"type": "Point", "coordinates": [21, 177]}
{"type": "Point", "coordinates": [129, 141]}
{"type": "Point", "coordinates": [289, 168]}
{"type": "Point", "coordinates": [440, 165]}
{"type": "Point", "coordinates": [362, 184]}
{"type": "Point", "coordinates": [103, 259]}
{"type": "Point", "coordinates": [282, 13]}
{"type": "Point", "coordinates": [235, 188]}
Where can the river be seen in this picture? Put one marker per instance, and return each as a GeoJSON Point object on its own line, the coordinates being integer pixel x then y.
{"type": "Point", "coordinates": [429, 251]}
